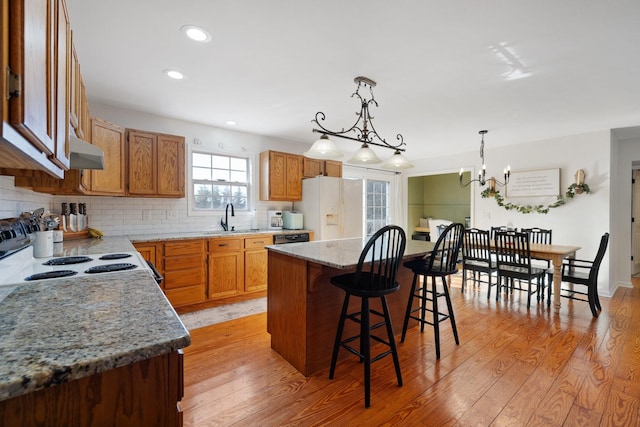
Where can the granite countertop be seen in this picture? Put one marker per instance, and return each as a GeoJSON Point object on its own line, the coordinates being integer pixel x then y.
{"type": "Point", "coordinates": [55, 331]}
{"type": "Point", "coordinates": [342, 253]}
{"type": "Point", "coordinates": [207, 234]}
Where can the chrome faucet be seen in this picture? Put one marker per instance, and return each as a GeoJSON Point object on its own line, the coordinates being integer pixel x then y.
{"type": "Point", "coordinates": [225, 223]}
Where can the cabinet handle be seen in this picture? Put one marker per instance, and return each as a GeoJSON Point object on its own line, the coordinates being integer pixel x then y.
{"type": "Point", "coordinates": [222, 244]}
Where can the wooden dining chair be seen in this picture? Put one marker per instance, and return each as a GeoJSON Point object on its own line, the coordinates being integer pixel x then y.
{"type": "Point", "coordinates": [476, 258]}
{"type": "Point", "coordinates": [441, 262]}
{"type": "Point", "coordinates": [583, 273]}
{"type": "Point", "coordinates": [375, 277]}
{"type": "Point", "coordinates": [513, 258]}
{"type": "Point", "coordinates": [540, 235]}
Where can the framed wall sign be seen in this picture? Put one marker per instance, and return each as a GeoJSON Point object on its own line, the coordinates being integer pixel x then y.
{"type": "Point", "coordinates": [544, 182]}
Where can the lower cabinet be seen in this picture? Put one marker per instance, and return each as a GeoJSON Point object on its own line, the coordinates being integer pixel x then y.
{"type": "Point", "coordinates": [201, 270]}
{"type": "Point", "coordinates": [255, 263]}
{"type": "Point", "coordinates": [225, 267]}
{"type": "Point", "coordinates": [145, 393]}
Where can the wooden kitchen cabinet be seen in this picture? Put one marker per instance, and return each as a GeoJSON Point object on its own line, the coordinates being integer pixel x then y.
{"type": "Point", "coordinates": [144, 393]}
{"type": "Point", "coordinates": [148, 251]}
{"type": "Point", "coordinates": [226, 267]}
{"type": "Point", "coordinates": [280, 176]}
{"type": "Point", "coordinates": [315, 167]}
{"type": "Point", "coordinates": [109, 138]}
{"type": "Point", "coordinates": [184, 270]}
{"type": "Point", "coordinates": [155, 164]}
{"type": "Point", "coordinates": [256, 262]}
{"type": "Point", "coordinates": [32, 66]}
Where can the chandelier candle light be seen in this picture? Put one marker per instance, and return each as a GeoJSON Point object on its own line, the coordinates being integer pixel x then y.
{"type": "Point", "coordinates": [482, 175]}
{"type": "Point", "coordinates": [361, 131]}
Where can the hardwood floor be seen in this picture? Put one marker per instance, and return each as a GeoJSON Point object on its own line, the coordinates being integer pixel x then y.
{"type": "Point", "coordinates": [513, 367]}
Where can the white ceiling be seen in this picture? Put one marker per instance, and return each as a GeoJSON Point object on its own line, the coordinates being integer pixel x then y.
{"type": "Point", "coordinates": [273, 64]}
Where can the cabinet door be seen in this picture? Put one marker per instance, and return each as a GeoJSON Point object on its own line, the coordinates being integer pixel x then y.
{"type": "Point", "coordinates": [63, 64]}
{"type": "Point", "coordinates": [110, 138]}
{"type": "Point", "coordinates": [224, 277]}
{"type": "Point", "coordinates": [142, 163]}
{"type": "Point", "coordinates": [148, 251]}
{"type": "Point", "coordinates": [333, 168]}
{"type": "Point", "coordinates": [32, 57]}
{"type": "Point", "coordinates": [311, 167]}
{"type": "Point", "coordinates": [294, 177]}
{"type": "Point", "coordinates": [170, 167]}
{"type": "Point", "coordinates": [277, 180]}
{"type": "Point", "coordinates": [255, 270]}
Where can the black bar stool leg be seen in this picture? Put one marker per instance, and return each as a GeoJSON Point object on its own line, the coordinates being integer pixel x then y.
{"type": "Point", "coordinates": [450, 308]}
{"type": "Point", "coordinates": [436, 321]}
{"type": "Point", "coordinates": [408, 312]}
{"type": "Point", "coordinates": [423, 306]}
{"type": "Point", "coordinates": [365, 340]}
{"type": "Point", "coordinates": [392, 341]}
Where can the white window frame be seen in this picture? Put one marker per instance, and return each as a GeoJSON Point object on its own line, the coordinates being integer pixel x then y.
{"type": "Point", "coordinates": [191, 210]}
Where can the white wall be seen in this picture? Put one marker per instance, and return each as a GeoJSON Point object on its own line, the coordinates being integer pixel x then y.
{"type": "Point", "coordinates": [625, 150]}
{"type": "Point", "coordinates": [581, 221]}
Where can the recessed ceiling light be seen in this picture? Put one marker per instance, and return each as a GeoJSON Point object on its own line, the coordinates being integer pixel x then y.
{"type": "Point", "coordinates": [231, 122]}
{"type": "Point", "coordinates": [196, 33]}
{"type": "Point", "coordinates": [174, 74]}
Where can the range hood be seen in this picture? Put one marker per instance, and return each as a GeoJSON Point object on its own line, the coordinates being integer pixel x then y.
{"type": "Point", "coordinates": [84, 155]}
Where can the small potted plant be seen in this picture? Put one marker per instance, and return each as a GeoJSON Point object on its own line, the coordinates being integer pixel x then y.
{"type": "Point", "coordinates": [577, 189]}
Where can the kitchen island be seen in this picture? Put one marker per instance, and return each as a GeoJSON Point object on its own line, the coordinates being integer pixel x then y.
{"type": "Point", "coordinates": [303, 307]}
{"type": "Point", "coordinates": [91, 350]}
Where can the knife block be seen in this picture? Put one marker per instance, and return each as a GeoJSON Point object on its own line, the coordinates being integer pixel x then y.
{"type": "Point", "coordinates": [74, 235]}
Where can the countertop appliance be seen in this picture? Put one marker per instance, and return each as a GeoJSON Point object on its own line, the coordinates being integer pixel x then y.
{"type": "Point", "coordinates": [332, 207]}
{"type": "Point", "coordinates": [274, 220]}
{"type": "Point", "coordinates": [20, 266]}
{"type": "Point", "coordinates": [292, 220]}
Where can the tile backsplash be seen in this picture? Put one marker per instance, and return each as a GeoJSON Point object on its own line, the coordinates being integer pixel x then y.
{"type": "Point", "coordinates": [15, 200]}
{"type": "Point", "coordinates": [121, 216]}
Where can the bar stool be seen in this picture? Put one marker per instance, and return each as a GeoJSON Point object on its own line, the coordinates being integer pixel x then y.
{"type": "Point", "coordinates": [375, 277]}
{"type": "Point", "coordinates": [442, 262]}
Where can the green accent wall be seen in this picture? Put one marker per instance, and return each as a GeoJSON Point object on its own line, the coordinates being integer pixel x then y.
{"type": "Point", "coordinates": [438, 196]}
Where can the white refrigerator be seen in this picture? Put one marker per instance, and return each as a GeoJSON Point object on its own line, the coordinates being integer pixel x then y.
{"type": "Point", "coordinates": [332, 207]}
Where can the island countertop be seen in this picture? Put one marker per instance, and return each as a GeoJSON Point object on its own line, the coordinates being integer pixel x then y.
{"type": "Point", "coordinates": [342, 253]}
{"type": "Point", "coordinates": [55, 331]}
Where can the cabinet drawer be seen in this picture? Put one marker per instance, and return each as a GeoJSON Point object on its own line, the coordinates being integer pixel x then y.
{"type": "Point", "coordinates": [258, 242]}
{"type": "Point", "coordinates": [183, 278]}
{"type": "Point", "coordinates": [183, 263]}
{"type": "Point", "coordinates": [225, 245]}
{"type": "Point", "coordinates": [189, 247]}
{"type": "Point", "coordinates": [186, 296]}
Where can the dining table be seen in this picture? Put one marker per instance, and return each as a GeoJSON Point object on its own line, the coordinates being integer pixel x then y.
{"type": "Point", "coordinates": [554, 253]}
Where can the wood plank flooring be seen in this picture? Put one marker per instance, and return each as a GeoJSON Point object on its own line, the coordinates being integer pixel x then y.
{"type": "Point", "coordinates": [513, 367]}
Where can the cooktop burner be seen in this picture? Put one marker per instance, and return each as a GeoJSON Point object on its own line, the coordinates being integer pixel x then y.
{"type": "Point", "coordinates": [68, 260]}
{"type": "Point", "coordinates": [114, 256]}
{"type": "Point", "coordinates": [110, 267]}
{"type": "Point", "coordinates": [51, 275]}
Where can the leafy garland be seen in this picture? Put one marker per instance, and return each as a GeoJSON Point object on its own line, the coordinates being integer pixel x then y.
{"type": "Point", "coordinates": [541, 209]}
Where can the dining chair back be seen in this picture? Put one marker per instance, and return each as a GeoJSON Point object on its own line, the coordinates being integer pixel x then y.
{"type": "Point", "coordinates": [441, 262]}
{"type": "Point", "coordinates": [540, 235]}
{"type": "Point", "coordinates": [513, 258]}
{"type": "Point", "coordinates": [374, 277]}
{"type": "Point", "coordinates": [585, 273]}
{"type": "Point", "coordinates": [494, 230]}
{"type": "Point", "coordinates": [476, 257]}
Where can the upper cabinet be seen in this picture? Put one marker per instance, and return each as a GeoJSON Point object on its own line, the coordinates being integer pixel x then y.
{"type": "Point", "coordinates": [156, 164]}
{"type": "Point", "coordinates": [110, 139]}
{"type": "Point", "coordinates": [280, 176]}
{"type": "Point", "coordinates": [35, 62]}
{"type": "Point", "coordinates": [314, 167]}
